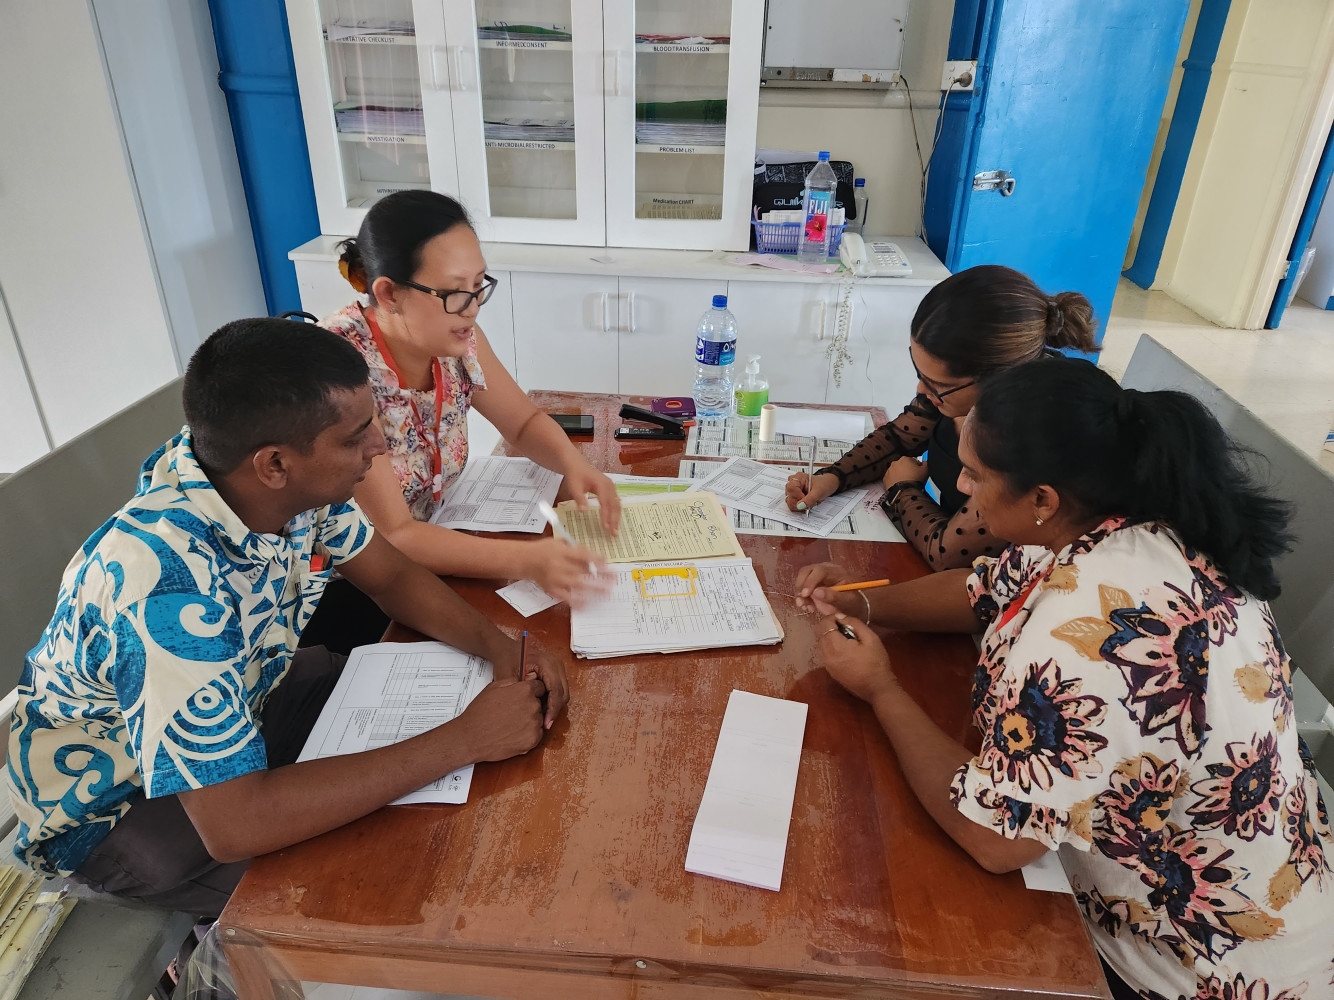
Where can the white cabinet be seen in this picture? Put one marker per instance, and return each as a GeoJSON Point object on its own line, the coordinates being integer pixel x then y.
{"type": "Point", "coordinates": [593, 122]}
{"type": "Point", "coordinates": [565, 332]}
{"type": "Point", "coordinates": [526, 81]}
{"type": "Point", "coordinates": [600, 320]}
{"type": "Point", "coordinates": [881, 372]}
{"type": "Point", "coordinates": [789, 326]}
{"type": "Point", "coordinates": [657, 324]}
{"type": "Point", "coordinates": [374, 82]}
{"type": "Point", "coordinates": [682, 105]}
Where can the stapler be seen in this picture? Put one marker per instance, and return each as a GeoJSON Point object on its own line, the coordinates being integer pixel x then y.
{"type": "Point", "coordinates": [665, 428]}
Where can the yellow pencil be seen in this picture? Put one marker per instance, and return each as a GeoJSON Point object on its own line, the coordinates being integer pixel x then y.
{"type": "Point", "coordinates": [866, 585]}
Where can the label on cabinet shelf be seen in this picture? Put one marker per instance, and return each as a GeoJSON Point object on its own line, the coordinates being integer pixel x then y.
{"type": "Point", "coordinates": [523, 43]}
{"type": "Point", "coordinates": [526, 144]}
{"type": "Point", "coordinates": [704, 47]}
{"type": "Point", "coordinates": [660, 147]}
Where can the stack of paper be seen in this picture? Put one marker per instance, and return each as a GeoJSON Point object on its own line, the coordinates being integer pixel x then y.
{"type": "Point", "coordinates": [344, 30]}
{"type": "Point", "coordinates": [30, 916]}
{"type": "Point", "coordinates": [760, 489]}
{"type": "Point", "coordinates": [740, 831]}
{"type": "Point", "coordinates": [679, 526]}
{"type": "Point", "coordinates": [681, 133]}
{"type": "Point", "coordinates": [392, 691]}
{"type": "Point", "coordinates": [665, 607]}
{"type": "Point", "coordinates": [497, 493]}
{"type": "Point", "coordinates": [379, 119]}
{"type": "Point", "coordinates": [531, 129]}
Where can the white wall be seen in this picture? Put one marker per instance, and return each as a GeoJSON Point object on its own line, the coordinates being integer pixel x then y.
{"type": "Point", "coordinates": [74, 261]}
{"type": "Point", "coordinates": [872, 128]}
{"type": "Point", "coordinates": [23, 440]}
{"type": "Point", "coordinates": [164, 70]}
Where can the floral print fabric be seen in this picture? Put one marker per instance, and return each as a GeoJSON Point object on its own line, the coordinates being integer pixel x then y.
{"type": "Point", "coordinates": [1136, 712]}
{"type": "Point", "coordinates": [413, 429]}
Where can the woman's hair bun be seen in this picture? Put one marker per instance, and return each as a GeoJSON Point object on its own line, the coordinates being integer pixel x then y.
{"type": "Point", "coordinates": [350, 265]}
{"type": "Point", "coordinates": [1070, 322]}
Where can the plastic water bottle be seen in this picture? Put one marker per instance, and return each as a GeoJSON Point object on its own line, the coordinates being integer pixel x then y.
{"type": "Point", "coordinates": [859, 200]}
{"type": "Point", "coordinates": [813, 241]}
{"type": "Point", "coordinates": [715, 350]}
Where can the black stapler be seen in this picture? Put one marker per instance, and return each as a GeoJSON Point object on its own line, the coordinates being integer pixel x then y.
{"type": "Point", "coordinates": [664, 429]}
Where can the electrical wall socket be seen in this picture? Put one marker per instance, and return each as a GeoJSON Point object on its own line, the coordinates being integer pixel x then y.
{"type": "Point", "coordinates": [960, 72]}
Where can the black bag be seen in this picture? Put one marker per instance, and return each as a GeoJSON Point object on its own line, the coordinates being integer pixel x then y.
{"type": "Point", "coordinates": [778, 187]}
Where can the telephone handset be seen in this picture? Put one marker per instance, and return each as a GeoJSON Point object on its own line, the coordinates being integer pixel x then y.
{"type": "Point", "coordinates": [876, 260]}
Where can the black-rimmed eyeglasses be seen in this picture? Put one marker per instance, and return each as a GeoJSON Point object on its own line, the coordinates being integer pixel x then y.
{"type": "Point", "coordinates": [456, 300]}
{"type": "Point", "coordinates": [931, 387]}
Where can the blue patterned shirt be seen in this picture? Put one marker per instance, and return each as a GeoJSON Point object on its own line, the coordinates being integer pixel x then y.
{"type": "Point", "coordinates": [173, 625]}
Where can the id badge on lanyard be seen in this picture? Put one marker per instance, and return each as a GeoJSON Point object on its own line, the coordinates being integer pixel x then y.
{"type": "Point", "coordinates": [432, 439]}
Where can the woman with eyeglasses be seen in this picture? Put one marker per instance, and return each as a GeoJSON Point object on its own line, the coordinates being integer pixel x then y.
{"type": "Point", "coordinates": [418, 261]}
{"type": "Point", "coordinates": [971, 326]}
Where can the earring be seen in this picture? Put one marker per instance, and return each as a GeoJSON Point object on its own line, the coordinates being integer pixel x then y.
{"type": "Point", "coordinates": [1039, 522]}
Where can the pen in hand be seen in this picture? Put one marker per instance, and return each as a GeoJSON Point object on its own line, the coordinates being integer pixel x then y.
{"type": "Point", "coordinates": [558, 529]}
{"type": "Point", "coordinates": [810, 475]}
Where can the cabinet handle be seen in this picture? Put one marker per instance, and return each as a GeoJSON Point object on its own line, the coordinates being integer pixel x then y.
{"type": "Point", "coordinates": [460, 57]}
{"type": "Point", "coordinates": [606, 313]}
{"type": "Point", "coordinates": [611, 71]}
{"type": "Point", "coordinates": [819, 331]}
{"type": "Point", "coordinates": [634, 326]}
{"type": "Point", "coordinates": [433, 60]}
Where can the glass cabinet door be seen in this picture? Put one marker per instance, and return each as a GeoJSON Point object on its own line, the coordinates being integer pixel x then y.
{"type": "Point", "coordinates": [390, 128]}
{"type": "Point", "coordinates": [527, 108]}
{"type": "Point", "coordinates": [682, 100]}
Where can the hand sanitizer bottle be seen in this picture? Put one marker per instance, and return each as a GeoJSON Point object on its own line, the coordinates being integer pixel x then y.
{"type": "Point", "coordinates": [753, 392]}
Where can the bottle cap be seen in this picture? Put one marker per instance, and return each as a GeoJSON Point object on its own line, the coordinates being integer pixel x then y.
{"type": "Point", "coordinates": [720, 302]}
{"type": "Point", "coordinates": [824, 156]}
{"type": "Point", "coordinates": [860, 182]}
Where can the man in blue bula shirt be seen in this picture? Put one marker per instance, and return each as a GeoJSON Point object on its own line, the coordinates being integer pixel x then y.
{"type": "Point", "coordinates": [153, 750]}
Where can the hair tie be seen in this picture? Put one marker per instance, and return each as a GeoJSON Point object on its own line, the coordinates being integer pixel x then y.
{"type": "Point", "coordinates": [1055, 317]}
{"type": "Point", "coordinates": [352, 272]}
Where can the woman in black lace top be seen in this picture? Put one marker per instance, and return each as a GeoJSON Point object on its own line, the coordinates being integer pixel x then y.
{"type": "Point", "coordinates": [971, 326]}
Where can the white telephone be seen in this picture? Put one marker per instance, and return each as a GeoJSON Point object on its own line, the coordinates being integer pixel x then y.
{"type": "Point", "coordinates": [882, 260]}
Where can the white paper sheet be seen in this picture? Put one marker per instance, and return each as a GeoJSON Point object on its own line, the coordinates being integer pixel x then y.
{"type": "Point", "coordinates": [392, 691]}
{"type": "Point", "coordinates": [1046, 874]}
{"type": "Point", "coordinates": [739, 438]}
{"type": "Point", "coordinates": [841, 425]}
{"type": "Point", "coordinates": [667, 606]}
{"type": "Point", "coordinates": [740, 831]}
{"type": "Point", "coordinates": [759, 489]}
{"type": "Point", "coordinates": [498, 493]}
{"type": "Point", "coordinates": [867, 522]}
{"type": "Point", "coordinates": [527, 598]}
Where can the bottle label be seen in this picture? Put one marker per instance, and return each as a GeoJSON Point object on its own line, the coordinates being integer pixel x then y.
{"type": "Point", "coordinates": [714, 352]}
{"type": "Point", "coordinates": [817, 216]}
{"type": "Point", "coordinates": [749, 401]}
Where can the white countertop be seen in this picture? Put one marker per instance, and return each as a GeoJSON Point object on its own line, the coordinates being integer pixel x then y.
{"type": "Point", "coordinates": [708, 264]}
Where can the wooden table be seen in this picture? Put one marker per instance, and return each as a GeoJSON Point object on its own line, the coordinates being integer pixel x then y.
{"type": "Point", "coordinates": [564, 874]}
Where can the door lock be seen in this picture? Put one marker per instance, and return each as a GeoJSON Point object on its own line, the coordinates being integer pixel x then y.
{"type": "Point", "coordinates": [994, 180]}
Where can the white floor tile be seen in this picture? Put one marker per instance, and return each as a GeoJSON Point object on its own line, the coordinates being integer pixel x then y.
{"type": "Point", "coordinates": [1284, 376]}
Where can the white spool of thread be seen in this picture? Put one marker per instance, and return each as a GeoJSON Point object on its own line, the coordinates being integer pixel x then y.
{"type": "Point", "coordinates": [768, 418]}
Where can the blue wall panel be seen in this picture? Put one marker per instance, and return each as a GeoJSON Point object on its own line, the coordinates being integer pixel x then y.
{"type": "Point", "coordinates": [259, 79]}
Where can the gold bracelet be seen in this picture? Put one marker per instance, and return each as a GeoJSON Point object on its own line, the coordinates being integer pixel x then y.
{"type": "Point", "coordinates": [868, 606]}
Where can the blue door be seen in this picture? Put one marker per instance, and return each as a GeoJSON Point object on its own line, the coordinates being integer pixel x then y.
{"type": "Point", "coordinates": [1067, 102]}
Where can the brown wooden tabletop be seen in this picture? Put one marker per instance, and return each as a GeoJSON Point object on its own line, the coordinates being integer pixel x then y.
{"type": "Point", "coordinates": [564, 873]}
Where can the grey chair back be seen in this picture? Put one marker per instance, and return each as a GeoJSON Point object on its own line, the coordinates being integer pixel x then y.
{"type": "Point", "coordinates": [1305, 609]}
{"type": "Point", "coordinates": [49, 508]}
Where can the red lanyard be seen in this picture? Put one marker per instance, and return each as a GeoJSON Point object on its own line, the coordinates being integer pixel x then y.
{"type": "Point", "coordinates": [430, 438]}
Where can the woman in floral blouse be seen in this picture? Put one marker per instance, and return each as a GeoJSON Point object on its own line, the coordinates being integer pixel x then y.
{"type": "Point", "coordinates": [970, 327]}
{"type": "Point", "coordinates": [418, 261]}
{"type": "Point", "coordinates": [1133, 695]}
